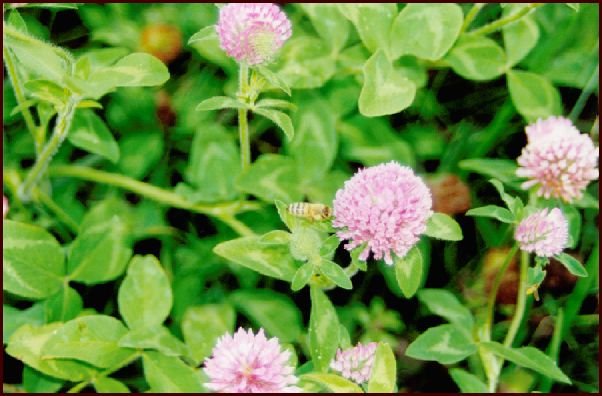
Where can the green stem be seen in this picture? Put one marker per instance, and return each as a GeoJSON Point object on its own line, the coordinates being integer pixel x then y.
{"type": "Point", "coordinates": [496, 286]}
{"type": "Point", "coordinates": [521, 300]}
{"type": "Point", "coordinates": [500, 23]}
{"type": "Point", "coordinates": [106, 372]}
{"type": "Point", "coordinates": [243, 125]}
{"type": "Point", "coordinates": [223, 211]}
{"type": "Point", "coordinates": [553, 349]}
{"type": "Point", "coordinates": [61, 129]}
{"type": "Point", "coordinates": [471, 16]}
{"type": "Point", "coordinates": [38, 137]}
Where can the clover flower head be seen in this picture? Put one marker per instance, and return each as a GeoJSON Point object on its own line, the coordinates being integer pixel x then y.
{"type": "Point", "coordinates": [558, 158]}
{"type": "Point", "coordinates": [544, 232]}
{"type": "Point", "coordinates": [4, 206]}
{"type": "Point", "coordinates": [252, 32]}
{"type": "Point", "coordinates": [384, 206]}
{"type": "Point", "coordinates": [355, 363]}
{"type": "Point", "coordinates": [249, 363]}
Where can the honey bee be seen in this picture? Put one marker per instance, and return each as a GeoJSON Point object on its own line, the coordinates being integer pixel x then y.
{"type": "Point", "coordinates": [310, 211]}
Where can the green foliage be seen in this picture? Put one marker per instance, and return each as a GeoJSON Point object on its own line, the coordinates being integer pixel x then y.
{"type": "Point", "coordinates": [129, 251]}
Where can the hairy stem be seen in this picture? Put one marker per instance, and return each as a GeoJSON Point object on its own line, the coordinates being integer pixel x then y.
{"type": "Point", "coordinates": [243, 125]}
{"type": "Point", "coordinates": [500, 23]}
{"type": "Point", "coordinates": [36, 132]}
{"type": "Point", "coordinates": [223, 211]}
{"type": "Point", "coordinates": [61, 129]}
{"type": "Point", "coordinates": [553, 349]}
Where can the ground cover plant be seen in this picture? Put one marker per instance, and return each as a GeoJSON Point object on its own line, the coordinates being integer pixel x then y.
{"type": "Point", "coordinates": [300, 197]}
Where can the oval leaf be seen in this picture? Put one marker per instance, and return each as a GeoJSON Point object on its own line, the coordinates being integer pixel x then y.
{"type": "Point", "coordinates": [335, 273]}
{"type": "Point", "coordinates": [384, 371]}
{"type": "Point", "coordinates": [408, 271]}
{"type": "Point", "coordinates": [533, 95]}
{"type": "Point", "coordinates": [468, 383]}
{"type": "Point", "coordinates": [279, 118]}
{"type": "Point", "coordinates": [442, 226]}
{"type": "Point", "coordinates": [145, 297]}
{"type": "Point", "coordinates": [445, 344]}
{"type": "Point", "coordinates": [169, 374]}
{"type": "Point", "coordinates": [204, 324]}
{"type": "Point", "coordinates": [497, 212]}
{"type": "Point", "coordinates": [443, 303]}
{"type": "Point", "coordinates": [218, 103]}
{"type": "Point", "coordinates": [571, 264]}
{"type": "Point", "coordinates": [332, 382]}
{"type": "Point", "coordinates": [89, 132]}
{"type": "Point", "coordinates": [477, 58]}
{"type": "Point", "coordinates": [323, 330]}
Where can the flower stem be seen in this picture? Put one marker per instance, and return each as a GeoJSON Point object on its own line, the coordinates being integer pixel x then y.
{"type": "Point", "coordinates": [61, 129]}
{"type": "Point", "coordinates": [36, 132]}
{"type": "Point", "coordinates": [471, 16]}
{"type": "Point", "coordinates": [520, 300]}
{"type": "Point", "coordinates": [553, 349]}
{"type": "Point", "coordinates": [65, 218]}
{"type": "Point", "coordinates": [223, 211]}
{"type": "Point", "coordinates": [243, 126]}
{"type": "Point", "coordinates": [500, 23]}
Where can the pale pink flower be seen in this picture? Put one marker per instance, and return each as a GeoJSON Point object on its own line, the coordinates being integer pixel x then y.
{"type": "Point", "coordinates": [558, 158]}
{"type": "Point", "coordinates": [249, 363]}
{"type": "Point", "coordinates": [4, 206]}
{"type": "Point", "coordinates": [545, 233]}
{"type": "Point", "coordinates": [252, 32]}
{"type": "Point", "coordinates": [355, 363]}
{"type": "Point", "coordinates": [385, 206]}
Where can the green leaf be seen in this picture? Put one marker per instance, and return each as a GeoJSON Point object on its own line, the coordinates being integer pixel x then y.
{"type": "Point", "coordinates": [373, 23]}
{"type": "Point", "coordinates": [276, 103]}
{"type": "Point", "coordinates": [157, 338]}
{"type": "Point", "coordinates": [573, 6]}
{"type": "Point", "coordinates": [571, 264]}
{"type": "Point", "coordinates": [169, 374]}
{"type": "Point", "coordinates": [332, 382]}
{"type": "Point", "coordinates": [515, 204]}
{"type": "Point", "coordinates": [426, 30]}
{"type": "Point", "coordinates": [573, 217]}
{"type": "Point", "coordinates": [26, 344]}
{"type": "Point", "coordinates": [279, 118]}
{"type": "Point", "coordinates": [323, 330]}
{"type": "Point", "coordinates": [384, 371]}
{"type": "Point", "coordinates": [276, 237]}
{"type": "Point", "coordinates": [99, 254]}
{"type": "Point", "coordinates": [408, 271]}
{"type": "Point", "coordinates": [271, 177]}
{"type": "Point", "coordinates": [135, 70]}
{"type": "Point", "coordinates": [203, 34]}
{"type": "Point", "coordinates": [63, 306]}
{"type": "Point", "coordinates": [501, 169]}
{"type": "Point", "coordinates": [32, 261]}
{"type": "Point", "coordinates": [273, 79]}
{"type": "Point", "coordinates": [305, 243]}
{"type": "Point", "coordinates": [37, 382]}
{"type": "Point", "coordinates": [41, 59]}
{"type": "Point", "coordinates": [302, 276]}
{"type": "Point", "coordinates": [13, 318]}
{"type": "Point", "coordinates": [335, 273]}
{"type": "Point", "coordinates": [91, 339]}
{"type": "Point", "coordinates": [477, 58]}
{"type": "Point", "coordinates": [497, 212]}
{"type": "Point", "coordinates": [305, 62]}
{"type": "Point", "coordinates": [109, 385]}
{"type": "Point", "coordinates": [529, 357]}
{"type": "Point", "coordinates": [89, 132]}
{"type": "Point", "coordinates": [519, 37]}
{"type": "Point", "coordinates": [274, 261]}
{"type": "Point", "coordinates": [275, 312]}
{"type": "Point", "coordinates": [385, 90]}
{"type": "Point", "coordinates": [329, 246]}
{"type": "Point", "coordinates": [213, 165]}
{"type": "Point", "coordinates": [202, 325]}
{"type": "Point", "coordinates": [138, 163]}
{"type": "Point", "coordinates": [533, 95]}
{"type": "Point", "coordinates": [218, 103]}
{"type": "Point", "coordinates": [467, 382]}
{"type": "Point", "coordinates": [314, 147]}
{"type": "Point", "coordinates": [443, 303]}
{"type": "Point", "coordinates": [330, 25]}
{"type": "Point", "coordinates": [144, 296]}
{"type": "Point", "coordinates": [446, 344]}
{"type": "Point", "coordinates": [442, 226]}
{"type": "Point", "coordinates": [48, 91]}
